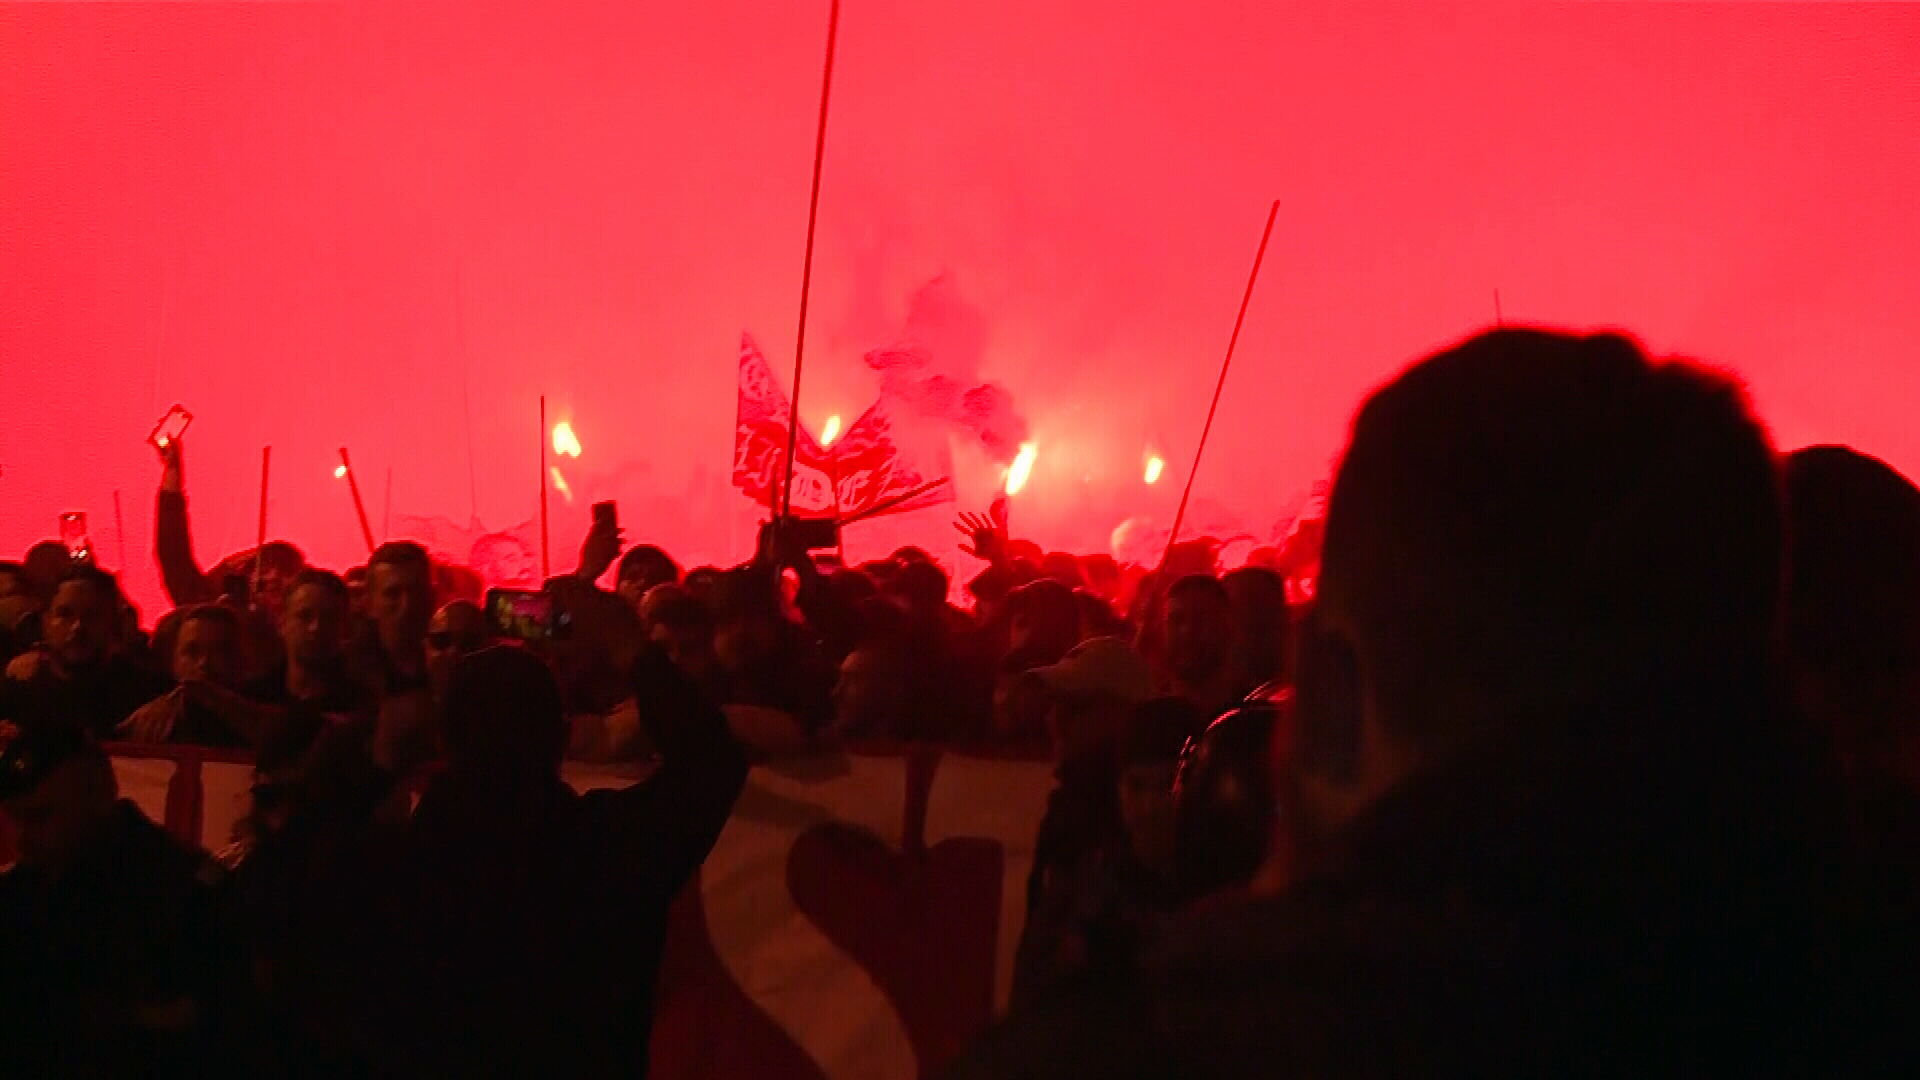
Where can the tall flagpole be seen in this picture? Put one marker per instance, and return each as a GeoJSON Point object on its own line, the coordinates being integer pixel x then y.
{"type": "Point", "coordinates": [806, 268]}
{"type": "Point", "coordinates": [1226, 364]}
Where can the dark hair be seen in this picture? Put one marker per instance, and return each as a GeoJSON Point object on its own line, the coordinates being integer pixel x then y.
{"type": "Point", "coordinates": [1063, 568]}
{"type": "Point", "coordinates": [644, 558]}
{"type": "Point", "coordinates": [911, 554]}
{"type": "Point", "coordinates": [852, 587]}
{"type": "Point", "coordinates": [98, 578]}
{"type": "Point", "coordinates": [213, 613]}
{"type": "Point", "coordinates": [672, 605]}
{"type": "Point", "coordinates": [505, 718]}
{"type": "Point", "coordinates": [401, 553]}
{"type": "Point", "coordinates": [325, 580]}
{"type": "Point", "coordinates": [8, 566]}
{"type": "Point", "coordinates": [1199, 585]}
{"type": "Point", "coordinates": [1556, 522]}
{"type": "Point", "coordinates": [1853, 589]}
{"type": "Point", "coordinates": [923, 583]}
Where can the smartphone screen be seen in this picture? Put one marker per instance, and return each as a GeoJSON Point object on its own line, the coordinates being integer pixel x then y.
{"type": "Point", "coordinates": [606, 514]}
{"type": "Point", "coordinates": [171, 426]}
{"type": "Point", "coordinates": [521, 614]}
{"type": "Point", "coordinates": [73, 533]}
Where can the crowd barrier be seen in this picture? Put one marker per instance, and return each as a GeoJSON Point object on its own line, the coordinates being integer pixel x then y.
{"type": "Point", "coordinates": [856, 919]}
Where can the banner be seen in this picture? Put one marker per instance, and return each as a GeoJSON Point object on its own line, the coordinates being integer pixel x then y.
{"type": "Point", "coordinates": [856, 919]}
{"type": "Point", "coordinates": [864, 468]}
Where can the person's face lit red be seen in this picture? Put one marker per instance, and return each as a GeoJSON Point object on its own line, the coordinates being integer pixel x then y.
{"type": "Point", "coordinates": [400, 599]}
{"type": "Point", "coordinates": [205, 651]}
{"type": "Point", "coordinates": [81, 624]}
{"type": "Point", "coordinates": [313, 626]}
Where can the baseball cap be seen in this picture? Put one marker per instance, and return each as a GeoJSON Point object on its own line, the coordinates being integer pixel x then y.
{"type": "Point", "coordinates": [1105, 668]}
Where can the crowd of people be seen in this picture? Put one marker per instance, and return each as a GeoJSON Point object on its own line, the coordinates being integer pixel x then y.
{"type": "Point", "coordinates": [1596, 747]}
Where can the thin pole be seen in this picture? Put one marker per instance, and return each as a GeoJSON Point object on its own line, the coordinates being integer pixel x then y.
{"type": "Point", "coordinates": [120, 529]}
{"type": "Point", "coordinates": [1226, 363]}
{"type": "Point", "coordinates": [1499, 319]}
{"type": "Point", "coordinates": [466, 395]}
{"type": "Point", "coordinates": [806, 266]}
{"type": "Point", "coordinates": [359, 508]}
{"type": "Point", "coordinates": [544, 570]}
{"type": "Point", "coordinates": [386, 508]}
{"type": "Point", "coordinates": [260, 533]}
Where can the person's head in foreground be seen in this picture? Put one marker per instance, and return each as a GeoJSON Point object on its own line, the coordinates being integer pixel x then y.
{"type": "Point", "coordinates": [1091, 694]}
{"type": "Point", "coordinates": [505, 722]}
{"type": "Point", "coordinates": [1853, 607]}
{"type": "Point", "coordinates": [680, 624]}
{"type": "Point", "coordinates": [58, 790]}
{"type": "Point", "coordinates": [1543, 549]}
{"type": "Point", "coordinates": [1198, 629]}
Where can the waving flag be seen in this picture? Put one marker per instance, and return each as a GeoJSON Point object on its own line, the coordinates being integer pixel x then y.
{"type": "Point", "coordinates": [866, 465]}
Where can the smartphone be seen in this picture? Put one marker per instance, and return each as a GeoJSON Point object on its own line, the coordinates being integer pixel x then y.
{"type": "Point", "coordinates": [171, 427]}
{"type": "Point", "coordinates": [606, 515]}
{"type": "Point", "coordinates": [527, 615]}
{"type": "Point", "coordinates": [73, 533]}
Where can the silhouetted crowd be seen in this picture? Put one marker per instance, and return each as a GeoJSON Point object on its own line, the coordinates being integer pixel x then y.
{"type": "Point", "coordinates": [1594, 749]}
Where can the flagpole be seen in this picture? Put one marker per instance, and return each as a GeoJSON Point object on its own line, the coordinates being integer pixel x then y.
{"type": "Point", "coordinates": [806, 266]}
{"type": "Point", "coordinates": [260, 535]}
{"type": "Point", "coordinates": [545, 569]}
{"type": "Point", "coordinates": [1226, 364]}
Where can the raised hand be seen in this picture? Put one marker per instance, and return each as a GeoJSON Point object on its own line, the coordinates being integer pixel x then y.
{"type": "Point", "coordinates": [599, 550]}
{"type": "Point", "coordinates": [173, 476]}
{"type": "Point", "coordinates": [988, 539]}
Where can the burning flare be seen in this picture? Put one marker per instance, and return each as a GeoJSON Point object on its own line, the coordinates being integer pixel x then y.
{"type": "Point", "coordinates": [565, 443]}
{"type": "Point", "coordinates": [1154, 466]}
{"type": "Point", "coordinates": [830, 432]}
{"type": "Point", "coordinates": [560, 482]}
{"type": "Point", "coordinates": [339, 472]}
{"type": "Point", "coordinates": [1021, 468]}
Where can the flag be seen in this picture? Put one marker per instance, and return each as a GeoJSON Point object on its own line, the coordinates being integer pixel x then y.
{"type": "Point", "coordinates": [866, 466]}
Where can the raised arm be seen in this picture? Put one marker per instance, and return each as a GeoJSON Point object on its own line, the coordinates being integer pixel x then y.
{"type": "Point", "coordinates": [180, 572]}
{"type": "Point", "coordinates": [665, 825]}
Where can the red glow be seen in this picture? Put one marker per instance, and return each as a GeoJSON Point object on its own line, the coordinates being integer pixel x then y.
{"type": "Point", "coordinates": [374, 225]}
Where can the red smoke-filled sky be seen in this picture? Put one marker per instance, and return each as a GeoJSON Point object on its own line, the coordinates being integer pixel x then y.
{"type": "Point", "coordinates": [359, 224]}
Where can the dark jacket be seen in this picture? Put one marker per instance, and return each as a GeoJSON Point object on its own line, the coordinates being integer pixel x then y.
{"type": "Point", "coordinates": [99, 701]}
{"type": "Point", "coordinates": [1081, 828]}
{"type": "Point", "coordinates": [91, 960]}
{"type": "Point", "coordinates": [1617, 924]}
{"type": "Point", "coordinates": [180, 572]}
{"type": "Point", "coordinates": [517, 932]}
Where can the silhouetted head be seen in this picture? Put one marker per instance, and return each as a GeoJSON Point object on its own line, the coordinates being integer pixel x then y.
{"type": "Point", "coordinates": [1530, 532]}
{"type": "Point", "coordinates": [681, 625]}
{"type": "Point", "coordinates": [1853, 602]}
{"type": "Point", "coordinates": [920, 588]}
{"type": "Point", "coordinates": [871, 696]}
{"type": "Point", "coordinates": [47, 562]}
{"type": "Point", "coordinates": [459, 629]}
{"type": "Point", "coordinates": [505, 723]}
{"type": "Point", "coordinates": [642, 569]}
{"type": "Point", "coordinates": [1043, 621]}
{"type": "Point", "coordinates": [1261, 620]}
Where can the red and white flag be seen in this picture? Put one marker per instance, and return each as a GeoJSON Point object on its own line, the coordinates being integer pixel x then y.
{"type": "Point", "coordinates": [866, 467]}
